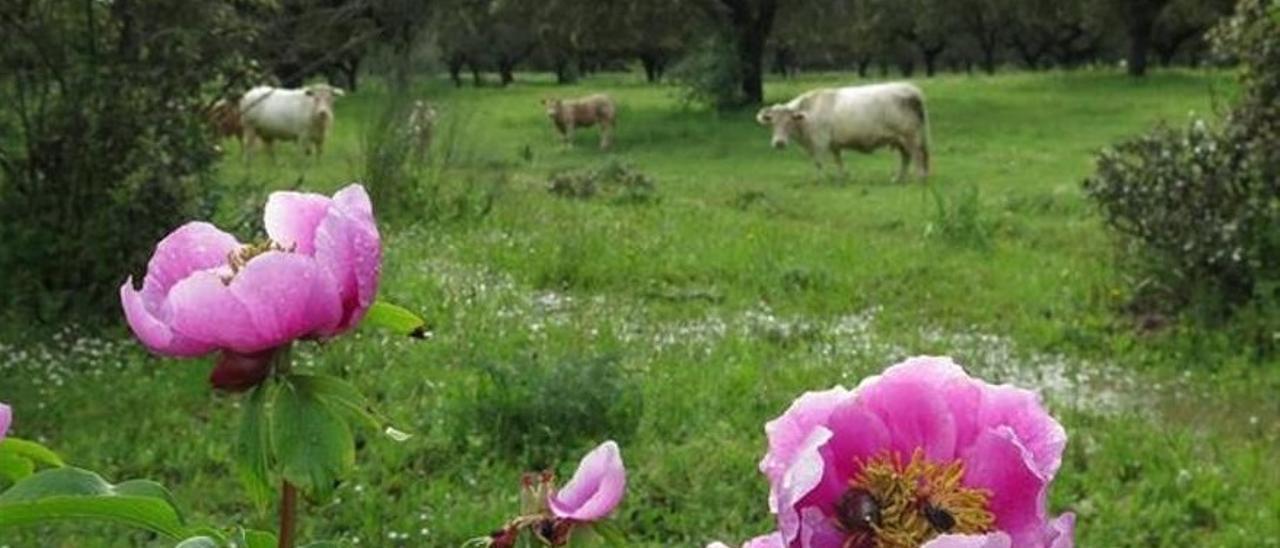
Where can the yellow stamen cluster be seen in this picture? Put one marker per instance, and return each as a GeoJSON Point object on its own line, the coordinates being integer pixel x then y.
{"type": "Point", "coordinates": [237, 259]}
{"type": "Point", "coordinates": [908, 492]}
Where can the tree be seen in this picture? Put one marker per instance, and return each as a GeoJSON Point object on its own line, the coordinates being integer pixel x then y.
{"type": "Point", "coordinates": [1185, 22]}
{"type": "Point", "coordinates": [747, 25]}
{"type": "Point", "coordinates": [985, 22]}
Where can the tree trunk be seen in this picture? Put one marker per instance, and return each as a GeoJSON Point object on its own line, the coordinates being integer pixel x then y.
{"type": "Point", "coordinates": [930, 56]}
{"type": "Point", "coordinates": [988, 57]}
{"type": "Point", "coordinates": [1142, 22]}
{"type": "Point", "coordinates": [477, 77]}
{"type": "Point", "coordinates": [455, 71]}
{"type": "Point", "coordinates": [751, 33]}
{"type": "Point", "coordinates": [650, 63]}
{"type": "Point", "coordinates": [506, 71]}
{"type": "Point", "coordinates": [864, 65]}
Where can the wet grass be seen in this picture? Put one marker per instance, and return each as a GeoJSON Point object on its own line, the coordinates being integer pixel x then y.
{"type": "Point", "coordinates": [680, 324]}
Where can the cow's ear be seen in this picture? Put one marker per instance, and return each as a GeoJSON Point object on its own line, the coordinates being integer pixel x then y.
{"type": "Point", "coordinates": [763, 117]}
{"type": "Point", "coordinates": [339, 92]}
{"type": "Point", "coordinates": [797, 116]}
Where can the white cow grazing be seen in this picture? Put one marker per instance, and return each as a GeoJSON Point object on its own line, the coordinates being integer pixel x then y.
{"type": "Point", "coordinates": [306, 114]}
{"type": "Point", "coordinates": [862, 118]}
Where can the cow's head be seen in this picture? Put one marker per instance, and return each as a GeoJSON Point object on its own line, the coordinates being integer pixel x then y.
{"type": "Point", "coordinates": [553, 106]}
{"type": "Point", "coordinates": [323, 95]}
{"type": "Point", "coordinates": [784, 120]}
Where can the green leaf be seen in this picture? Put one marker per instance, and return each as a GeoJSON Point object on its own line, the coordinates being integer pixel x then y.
{"type": "Point", "coordinates": [312, 444]}
{"type": "Point", "coordinates": [249, 538]}
{"type": "Point", "coordinates": [397, 319]}
{"type": "Point", "coordinates": [346, 397]}
{"type": "Point", "coordinates": [199, 542]}
{"type": "Point", "coordinates": [14, 467]}
{"type": "Point", "coordinates": [71, 493]}
{"type": "Point", "coordinates": [324, 544]}
{"type": "Point", "coordinates": [583, 536]}
{"type": "Point", "coordinates": [31, 451]}
{"type": "Point", "coordinates": [252, 448]}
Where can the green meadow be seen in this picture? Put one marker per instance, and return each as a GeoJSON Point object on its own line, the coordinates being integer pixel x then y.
{"type": "Point", "coordinates": [680, 321]}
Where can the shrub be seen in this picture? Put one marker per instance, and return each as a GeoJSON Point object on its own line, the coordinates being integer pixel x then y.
{"type": "Point", "coordinates": [410, 184]}
{"type": "Point", "coordinates": [710, 74]}
{"type": "Point", "coordinates": [109, 147]}
{"type": "Point", "coordinates": [959, 219]}
{"type": "Point", "coordinates": [1197, 209]}
{"type": "Point", "coordinates": [619, 182]}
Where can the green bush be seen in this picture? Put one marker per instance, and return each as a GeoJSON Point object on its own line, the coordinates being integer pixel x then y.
{"type": "Point", "coordinates": [617, 181]}
{"type": "Point", "coordinates": [710, 74]}
{"type": "Point", "coordinates": [105, 146]}
{"type": "Point", "coordinates": [1197, 209]}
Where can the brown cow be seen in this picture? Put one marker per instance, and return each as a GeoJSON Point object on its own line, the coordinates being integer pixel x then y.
{"type": "Point", "coordinates": [588, 111]}
{"type": "Point", "coordinates": [224, 116]}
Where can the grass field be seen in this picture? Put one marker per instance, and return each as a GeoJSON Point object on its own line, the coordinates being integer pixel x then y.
{"type": "Point", "coordinates": [678, 327]}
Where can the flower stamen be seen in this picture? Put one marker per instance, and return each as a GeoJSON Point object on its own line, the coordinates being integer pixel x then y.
{"type": "Point", "coordinates": [914, 502]}
{"type": "Point", "coordinates": [237, 259]}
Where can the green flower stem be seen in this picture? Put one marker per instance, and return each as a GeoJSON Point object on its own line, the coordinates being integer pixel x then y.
{"type": "Point", "coordinates": [288, 513]}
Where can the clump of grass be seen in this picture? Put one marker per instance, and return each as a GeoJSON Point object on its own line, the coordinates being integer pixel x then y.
{"type": "Point", "coordinates": [959, 219]}
{"type": "Point", "coordinates": [615, 181]}
{"type": "Point", "coordinates": [538, 411]}
{"type": "Point", "coordinates": [413, 184]}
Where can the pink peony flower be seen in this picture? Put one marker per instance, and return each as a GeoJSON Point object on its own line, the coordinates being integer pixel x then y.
{"type": "Point", "coordinates": [595, 489]}
{"type": "Point", "coordinates": [920, 455]}
{"type": "Point", "coordinates": [205, 291]}
{"type": "Point", "coordinates": [6, 416]}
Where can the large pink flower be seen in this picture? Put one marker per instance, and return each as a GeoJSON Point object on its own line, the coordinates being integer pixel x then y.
{"type": "Point", "coordinates": [316, 277]}
{"type": "Point", "coordinates": [921, 454]}
{"type": "Point", "coordinates": [595, 489]}
{"type": "Point", "coordinates": [6, 415]}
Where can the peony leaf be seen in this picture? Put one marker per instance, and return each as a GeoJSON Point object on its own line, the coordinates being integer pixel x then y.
{"type": "Point", "coordinates": [198, 542]}
{"type": "Point", "coordinates": [13, 467]}
{"type": "Point", "coordinates": [346, 397]}
{"type": "Point", "coordinates": [311, 442]}
{"type": "Point", "coordinates": [249, 538]}
{"type": "Point", "coordinates": [397, 319]}
{"type": "Point", "coordinates": [72, 493]}
{"type": "Point", "coordinates": [30, 450]}
{"type": "Point", "coordinates": [252, 450]}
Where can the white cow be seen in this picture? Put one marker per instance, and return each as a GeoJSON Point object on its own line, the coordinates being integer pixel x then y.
{"type": "Point", "coordinates": [862, 118]}
{"type": "Point", "coordinates": [305, 115]}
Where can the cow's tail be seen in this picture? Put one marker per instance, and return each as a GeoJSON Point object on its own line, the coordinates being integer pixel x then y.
{"type": "Point", "coordinates": [915, 102]}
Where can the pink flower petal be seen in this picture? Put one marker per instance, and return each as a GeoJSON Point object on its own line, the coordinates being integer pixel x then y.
{"type": "Point", "coordinates": [287, 295]}
{"type": "Point", "coordinates": [788, 433]}
{"type": "Point", "coordinates": [915, 412]}
{"type": "Point", "coordinates": [1063, 531]}
{"type": "Point", "coordinates": [154, 333]}
{"type": "Point", "coordinates": [349, 247]}
{"type": "Point", "coordinates": [596, 487]}
{"type": "Point", "coordinates": [992, 540]}
{"type": "Point", "coordinates": [192, 247]}
{"type": "Point", "coordinates": [771, 540]}
{"type": "Point", "coordinates": [291, 219]}
{"type": "Point", "coordinates": [6, 417]}
{"type": "Point", "coordinates": [806, 472]}
{"type": "Point", "coordinates": [819, 531]}
{"type": "Point", "coordinates": [998, 463]}
{"type": "Point", "coordinates": [1022, 411]}
{"type": "Point", "coordinates": [203, 308]}
{"type": "Point", "coordinates": [857, 435]}
{"type": "Point", "coordinates": [275, 298]}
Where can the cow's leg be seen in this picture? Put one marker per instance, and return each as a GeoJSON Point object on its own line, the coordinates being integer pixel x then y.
{"type": "Point", "coordinates": [606, 135]}
{"type": "Point", "coordinates": [835, 155]}
{"type": "Point", "coordinates": [904, 152]}
{"type": "Point", "coordinates": [922, 156]}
